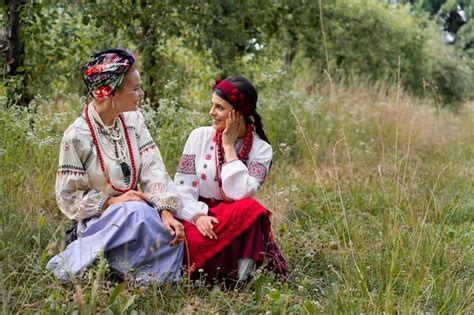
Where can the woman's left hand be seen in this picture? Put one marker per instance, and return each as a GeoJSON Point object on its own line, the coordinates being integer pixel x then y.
{"type": "Point", "coordinates": [173, 226]}
{"type": "Point", "coordinates": [205, 227]}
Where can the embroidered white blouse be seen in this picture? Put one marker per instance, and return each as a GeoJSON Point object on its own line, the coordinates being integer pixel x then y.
{"type": "Point", "coordinates": [81, 188]}
{"type": "Point", "coordinates": [196, 174]}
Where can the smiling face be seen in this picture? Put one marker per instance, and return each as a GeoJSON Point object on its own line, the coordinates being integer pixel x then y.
{"type": "Point", "coordinates": [219, 112]}
{"type": "Point", "coordinates": [127, 96]}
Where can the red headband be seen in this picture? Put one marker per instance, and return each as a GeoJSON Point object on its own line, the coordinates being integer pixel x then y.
{"type": "Point", "coordinates": [236, 98]}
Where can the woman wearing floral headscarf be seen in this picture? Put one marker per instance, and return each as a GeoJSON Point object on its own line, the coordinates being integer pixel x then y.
{"type": "Point", "coordinates": [106, 155]}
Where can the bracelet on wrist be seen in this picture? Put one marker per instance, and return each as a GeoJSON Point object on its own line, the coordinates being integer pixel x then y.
{"type": "Point", "coordinates": [168, 208]}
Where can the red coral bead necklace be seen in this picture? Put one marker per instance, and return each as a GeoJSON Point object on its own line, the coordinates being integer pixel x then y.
{"type": "Point", "coordinates": [95, 140]}
{"type": "Point", "coordinates": [242, 155]}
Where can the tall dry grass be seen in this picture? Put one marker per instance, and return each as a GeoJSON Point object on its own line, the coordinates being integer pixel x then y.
{"type": "Point", "coordinates": [370, 188]}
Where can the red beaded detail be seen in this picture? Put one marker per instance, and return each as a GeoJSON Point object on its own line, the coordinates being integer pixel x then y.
{"type": "Point", "coordinates": [101, 160]}
{"type": "Point", "coordinates": [243, 155]}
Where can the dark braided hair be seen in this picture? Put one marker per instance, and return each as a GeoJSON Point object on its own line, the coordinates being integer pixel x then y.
{"type": "Point", "coordinates": [246, 87]}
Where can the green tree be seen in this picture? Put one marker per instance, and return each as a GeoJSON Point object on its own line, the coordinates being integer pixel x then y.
{"type": "Point", "coordinates": [342, 36]}
{"type": "Point", "coordinates": [144, 25]}
{"type": "Point", "coordinates": [451, 14]}
{"type": "Point", "coordinates": [227, 29]}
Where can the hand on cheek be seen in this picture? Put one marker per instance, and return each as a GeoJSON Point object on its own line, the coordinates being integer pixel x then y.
{"type": "Point", "coordinates": [232, 128]}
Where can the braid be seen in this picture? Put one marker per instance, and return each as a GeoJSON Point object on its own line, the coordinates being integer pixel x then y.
{"type": "Point", "coordinates": [259, 127]}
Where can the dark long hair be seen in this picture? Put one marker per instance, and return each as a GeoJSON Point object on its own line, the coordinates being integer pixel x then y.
{"type": "Point", "coordinates": [246, 87]}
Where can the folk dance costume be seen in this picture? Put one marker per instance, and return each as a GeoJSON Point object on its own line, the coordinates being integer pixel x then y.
{"type": "Point", "coordinates": [96, 162]}
{"type": "Point", "coordinates": [208, 186]}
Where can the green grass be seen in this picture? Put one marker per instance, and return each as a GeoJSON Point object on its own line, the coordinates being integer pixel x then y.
{"type": "Point", "coordinates": [371, 192]}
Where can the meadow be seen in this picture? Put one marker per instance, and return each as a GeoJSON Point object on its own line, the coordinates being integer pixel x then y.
{"type": "Point", "coordinates": [371, 192]}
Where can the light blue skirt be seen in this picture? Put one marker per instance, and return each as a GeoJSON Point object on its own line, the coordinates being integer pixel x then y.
{"type": "Point", "coordinates": [133, 240]}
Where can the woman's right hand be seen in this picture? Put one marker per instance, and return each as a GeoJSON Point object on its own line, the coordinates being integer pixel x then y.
{"type": "Point", "coordinates": [131, 195]}
{"type": "Point", "coordinates": [234, 124]}
{"type": "Point", "coordinates": [204, 225]}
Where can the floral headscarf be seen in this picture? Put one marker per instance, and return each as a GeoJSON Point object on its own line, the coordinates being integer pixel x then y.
{"type": "Point", "coordinates": [104, 73]}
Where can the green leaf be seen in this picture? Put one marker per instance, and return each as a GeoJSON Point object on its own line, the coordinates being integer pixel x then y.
{"type": "Point", "coordinates": [129, 303]}
{"type": "Point", "coordinates": [309, 307]}
{"type": "Point", "coordinates": [41, 221]}
{"type": "Point", "coordinates": [44, 256]}
{"type": "Point", "coordinates": [86, 19]}
{"type": "Point", "coordinates": [259, 283]}
{"type": "Point", "coordinates": [275, 295]}
{"type": "Point", "coordinates": [117, 290]}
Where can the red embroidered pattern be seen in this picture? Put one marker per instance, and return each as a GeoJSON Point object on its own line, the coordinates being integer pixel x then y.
{"type": "Point", "coordinates": [71, 172]}
{"type": "Point", "coordinates": [208, 157]}
{"type": "Point", "coordinates": [64, 145]}
{"type": "Point", "coordinates": [242, 155]}
{"type": "Point", "coordinates": [187, 164]}
{"type": "Point", "coordinates": [257, 170]}
{"type": "Point", "coordinates": [158, 188]}
{"type": "Point", "coordinates": [203, 176]}
{"type": "Point", "coordinates": [147, 148]}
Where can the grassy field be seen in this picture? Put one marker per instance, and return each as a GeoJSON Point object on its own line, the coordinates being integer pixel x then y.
{"type": "Point", "coordinates": [372, 193]}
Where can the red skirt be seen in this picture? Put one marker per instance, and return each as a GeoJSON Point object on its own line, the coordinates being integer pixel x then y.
{"type": "Point", "coordinates": [243, 231]}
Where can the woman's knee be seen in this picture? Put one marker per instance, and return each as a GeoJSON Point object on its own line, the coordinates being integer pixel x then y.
{"type": "Point", "coordinates": [140, 211]}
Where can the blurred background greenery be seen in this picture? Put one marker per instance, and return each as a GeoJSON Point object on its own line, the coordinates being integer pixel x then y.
{"type": "Point", "coordinates": [431, 43]}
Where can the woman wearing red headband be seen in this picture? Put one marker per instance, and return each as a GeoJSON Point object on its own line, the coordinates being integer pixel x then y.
{"type": "Point", "coordinates": [222, 166]}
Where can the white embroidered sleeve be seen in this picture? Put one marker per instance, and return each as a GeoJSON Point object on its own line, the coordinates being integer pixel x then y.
{"type": "Point", "coordinates": [153, 178]}
{"type": "Point", "coordinates": [187, 182]}
{"type": "Point", "coordinates": [240, 181]}
{"type": "Point", "coordinates": [74, 193]}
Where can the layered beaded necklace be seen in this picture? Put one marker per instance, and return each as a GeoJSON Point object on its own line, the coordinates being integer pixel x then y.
{"type": "Point", "coordinates": [242, 155]}
{"type": "Point", "coordinates": [115, 132]}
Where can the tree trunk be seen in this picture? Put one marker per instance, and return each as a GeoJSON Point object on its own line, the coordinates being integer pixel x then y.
{"type": "Point", "coordinates": [290, 50]}
{"type": "Point", "coordinates": [15, 51]}
{"type": "Point", "coordinates": [148, 59]}
{"type": "Point", "coordinates": [14, 47]}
